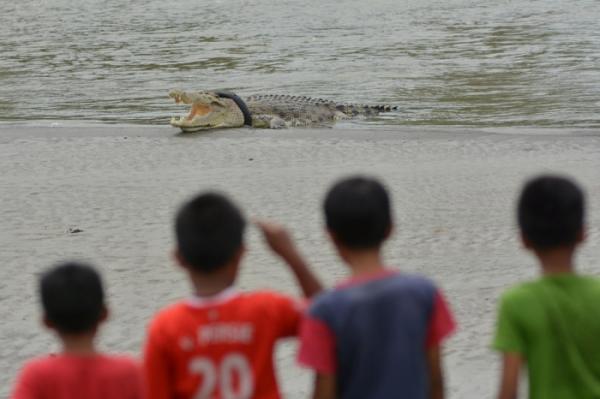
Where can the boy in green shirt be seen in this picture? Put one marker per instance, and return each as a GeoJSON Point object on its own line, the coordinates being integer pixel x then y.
{"type": "Point", "coordinates": [552, 324]}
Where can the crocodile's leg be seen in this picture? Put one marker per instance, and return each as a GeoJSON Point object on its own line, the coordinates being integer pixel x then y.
{"type": "Point", "coordinates": [339, 115]}
{"type": "Point", "coordinates": [265, 121]}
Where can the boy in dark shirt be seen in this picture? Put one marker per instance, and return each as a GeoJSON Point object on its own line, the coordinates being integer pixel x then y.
{"type": "Point", "coordinates": [379, 333]}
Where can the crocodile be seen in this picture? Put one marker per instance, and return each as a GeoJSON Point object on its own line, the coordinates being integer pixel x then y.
{"type": "Point", "coordinates": [218, 109]}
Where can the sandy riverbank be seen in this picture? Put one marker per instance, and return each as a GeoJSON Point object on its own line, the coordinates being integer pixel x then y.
{"type": "Point", "coordinates": [453, 196]}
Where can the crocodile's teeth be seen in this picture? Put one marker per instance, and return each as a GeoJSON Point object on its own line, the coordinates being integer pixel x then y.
{"type": "Point", "coordinates": [177, 121]}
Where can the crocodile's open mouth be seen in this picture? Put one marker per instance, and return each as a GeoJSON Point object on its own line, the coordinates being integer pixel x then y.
{"type": "Point", "coordinates": [195, 120]}
{"type": "Point", "coordinates": [201, 110]}
{"type": "Point", "coordinates": [198, 110]}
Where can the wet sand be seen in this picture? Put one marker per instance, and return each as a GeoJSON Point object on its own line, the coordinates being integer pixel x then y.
{"type": "Point", "coordinates": [453, 193]}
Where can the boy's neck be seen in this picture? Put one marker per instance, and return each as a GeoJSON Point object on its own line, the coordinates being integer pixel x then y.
{"type": "Point", "coordinates": [364, 261]}
{"type": "Point", "coordinates": [78, 344]}
{"type": "Point", "coordinates": [556, 261]}
{"type": "Point", "coordinates": [208, 286]}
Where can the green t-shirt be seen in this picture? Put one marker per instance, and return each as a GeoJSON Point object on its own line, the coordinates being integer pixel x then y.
{"type": "Point", "coordinates": [554, 323]}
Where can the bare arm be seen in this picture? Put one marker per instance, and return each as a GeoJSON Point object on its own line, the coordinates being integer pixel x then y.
{"type": "Point", "coordinates": [325, 386]}
{"type": "Point", "coordinates": [511, 368]}
{"type": "Point", "coordinates": [281, 243]}
{"type": "Point", "coordinates": [436, 377]}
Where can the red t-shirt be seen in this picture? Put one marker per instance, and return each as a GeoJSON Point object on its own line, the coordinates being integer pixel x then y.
{"type": "Point", "coordinates": [220, 347]}
{"type": "Point", "coordinates": [80, 376]}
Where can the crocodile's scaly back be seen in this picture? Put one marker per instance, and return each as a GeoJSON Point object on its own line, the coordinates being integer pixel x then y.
{"type": "Point", "coordinates": [309, 111]}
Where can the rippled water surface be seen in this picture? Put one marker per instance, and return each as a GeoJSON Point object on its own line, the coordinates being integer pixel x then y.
{"type": "Point", "coordinates": [452, 62]}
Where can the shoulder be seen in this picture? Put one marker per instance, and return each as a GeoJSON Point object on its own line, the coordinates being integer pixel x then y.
{"type": "Point", "coordinates": [122, 362]}
{"type": "Point", "coordinates": [275, 315]}
{"type": "Point", "coordinates": [57, 364]}
{"type": "Point", "coordinates": [413, 290]}
{"type": "Point", "coordinates": [265, 300]}
{"type": "Point", "coordinates": [394, 284]}
{"type": "Point", "coordinates": [265, 296]}
{"type": "Point", "coordinates": [166, 316]}
{"type": "Point", "coordinates": [413, 282]}
{"type": "Point", "coordinates": [118, 371]}
{"type": "Point", "coordinates": [587, 287]}
{"type": "Point", "coordinates": [519, 292]}
{"type": "Point", "coordinates": [325, 300]}
{"type": "Point", "coordinates": [124, 367]}
{"type": "Point", "coordinates": [33, 375]}
{"type": "Point", "coordinates": [40, 365]}
{"type": "Point", "coordinates": [592, 282]}
{"type": "Point", "coordinates": [519, 300]}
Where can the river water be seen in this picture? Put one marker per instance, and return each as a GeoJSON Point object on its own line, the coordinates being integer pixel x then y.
{"type": "Point", "coordinates": [454, 62]}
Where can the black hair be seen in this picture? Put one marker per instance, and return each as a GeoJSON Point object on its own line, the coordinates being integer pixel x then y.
{"type": "Point", "coordinates": [209, 231]}
{"type": "Point", "coordinates": [358, 212]}
{"type": "Point", "coordinates": [72, 297]}
{"type": "Point", "coordinates": [551, 212]}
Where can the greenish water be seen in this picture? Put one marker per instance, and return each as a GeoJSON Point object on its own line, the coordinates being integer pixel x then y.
{"type": "Point", "coordinates": [454, 62]}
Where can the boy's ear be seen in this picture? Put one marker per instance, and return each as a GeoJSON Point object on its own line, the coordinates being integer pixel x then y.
{"type": "Point", "coordinates": [339, 247]}
{"type": "Point", "coordinates": [389, 231]}
{"type": "Point", "coordinates": [47, 323]}
{"type": "Point", "coordinates": [332, 237]}
{"type": "Point", "coordinates": [104, 314]}
{"type": "Point", "coordinates": [179, 259]}
{"type": "Point", "coordinates": [237, 258]}
{"type": "Point", "coordinates": [581, 235]}
{"type": "Point", "coordinates": [525, 241]}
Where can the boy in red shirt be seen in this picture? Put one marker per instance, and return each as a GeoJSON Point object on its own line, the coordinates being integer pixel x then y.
{"type": "Point", "coordinates": [73, 302]}
{"type": "Point", "coordinates": [219, 343]}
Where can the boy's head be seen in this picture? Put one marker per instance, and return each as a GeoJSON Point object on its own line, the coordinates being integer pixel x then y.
{"type": "Point", "coordinates": [72, 298]}
{"type": "Point", "coordinates": [210, 231]}
{"type": "Point", "coordinates": [358, 213]}
{"type": "Point", "coordinates": [551, 213]}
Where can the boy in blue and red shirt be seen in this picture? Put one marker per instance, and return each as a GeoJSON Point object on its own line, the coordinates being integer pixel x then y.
{"type": "Point", "coordinates": [378, 334]}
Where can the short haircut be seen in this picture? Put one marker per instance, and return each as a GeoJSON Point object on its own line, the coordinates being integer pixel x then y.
{"type": "Point", "coordinates": [209, 231]}
{"type": "Point", "coordinates": [72, 297]}
{"type": "Point", "coordinates": [358, 212]}
{"type": "Point", "coordinates": [551, 212]}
